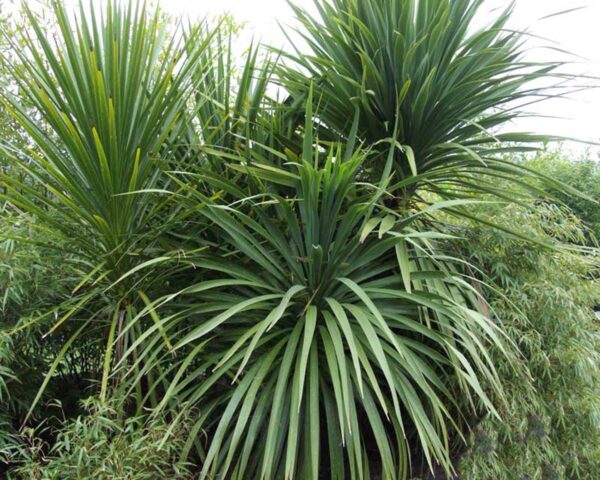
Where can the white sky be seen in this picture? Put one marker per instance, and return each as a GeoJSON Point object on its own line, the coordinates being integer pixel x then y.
{"type": "Point", "coordinates": [576, 32]}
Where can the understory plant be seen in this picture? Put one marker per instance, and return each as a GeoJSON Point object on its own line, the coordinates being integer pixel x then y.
{"type": "Point", "coordinates": [34, 278]}
{"type": "Point", "coordinates": [102, 444]}
{"type": "Point", "coordinates": [581, 171]}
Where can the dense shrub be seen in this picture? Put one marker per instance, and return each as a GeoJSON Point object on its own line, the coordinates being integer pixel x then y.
{"type": "Point", "coordinates": [550, 427]}
{"type": "Point", "coordinates": [36, 275]}
{"type": "Point", "coordinates": [103, 445]}
{"type": "Point", "coordinates": [581, 172]}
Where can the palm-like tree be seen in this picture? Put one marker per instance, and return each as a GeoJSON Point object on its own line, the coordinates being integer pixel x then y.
{"type": "Point", "coordinates": [103, 95]}
{"type": "Point", "coordinates": [318, 331]}
{"type": "Point", "coordinates": [427, 82]}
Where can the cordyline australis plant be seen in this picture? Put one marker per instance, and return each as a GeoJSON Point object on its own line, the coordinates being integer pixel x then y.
{"type": "Point", "coordinates": [319, 342]}
{"type": "Point", "coordinates": [323, 331]}
{"type": "Point", "coordinates": [427, 82]}
{"type": "Point", "coordinates": [108, 91]}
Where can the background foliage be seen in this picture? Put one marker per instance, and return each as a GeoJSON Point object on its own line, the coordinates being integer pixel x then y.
{"type": "Point", "coordinates": [582, 172]}
{"type": "Point", "coordinates": [551, 423]}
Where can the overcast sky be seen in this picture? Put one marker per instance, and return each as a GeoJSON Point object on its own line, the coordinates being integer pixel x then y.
{"type": "Point", "coordinates": [577, 32]}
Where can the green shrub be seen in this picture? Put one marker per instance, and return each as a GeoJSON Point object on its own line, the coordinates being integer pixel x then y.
{"type": "Point", "coordinates": [551, 424]}
{"type": "Point", "coordinates": [35, 276]}
{"type": "Point", "coordinates": [580, 172]}
{"type": "Point", "coordinates": [6, 377]}
{"type": "Point", "coordinates": [103, 445]}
